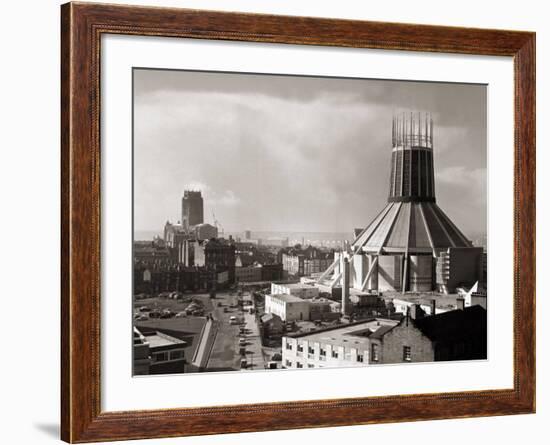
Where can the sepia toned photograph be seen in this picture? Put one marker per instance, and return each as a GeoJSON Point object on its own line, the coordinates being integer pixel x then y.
{"type": "Point", "coordinates": [287, 222]}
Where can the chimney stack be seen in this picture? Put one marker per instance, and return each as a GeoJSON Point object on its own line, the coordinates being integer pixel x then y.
{"type": "Point", "coordinates": [416, 312]}
{"type": "Point", "coordinates": [432, 307]}
{"type": "Point", "coordinates": [346, 305]}
{"type": "Point", "coordinates": [460, 303]}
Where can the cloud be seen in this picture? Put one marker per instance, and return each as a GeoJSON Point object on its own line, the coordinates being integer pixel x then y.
{"type": "Point", "coordinates": [286, 153]}
{"type": "Point", "coordinates": [460, 176]}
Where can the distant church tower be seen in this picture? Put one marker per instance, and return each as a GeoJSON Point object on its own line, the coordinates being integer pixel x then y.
{"type": "Point", "coordinates": [192, 212]}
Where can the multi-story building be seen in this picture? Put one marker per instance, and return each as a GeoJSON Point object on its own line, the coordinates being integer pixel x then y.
{"type": "Point", "coordinates": [272, 272]}
{"type": "Point", "coordinates": [213, 254]}
{"type": "Point", "coordinates": [455, 335]}
{"type": "Point", "coordinates": [192, 211]}
{"type": "Point", "coordinates": [300, 290]}
{"type": "Point", "coordinates": [346, 345]}
{"type": "Point", "coordinates": [150, 253]}
{"type": "Point", "coordinates": [166, 354]}
{"type": "Point", "coordinates": [248, 274]}
{"type": "Point", "coordinates": [287, 307]}
{"type": "Point", "coordinates": [154, 280]}
{"type": "Point", "coordinates": [217, 254]}
{"type": "Point", "coordinates": [307, 261]}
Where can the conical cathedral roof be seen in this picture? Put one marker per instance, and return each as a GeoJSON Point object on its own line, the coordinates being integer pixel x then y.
{"type": "Point", "coordinates": [410, 227]}
{"type": "Point", "coordinates": [411, 222]}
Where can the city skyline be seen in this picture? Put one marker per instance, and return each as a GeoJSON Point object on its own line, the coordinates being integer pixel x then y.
{"type": "Point", "coordinates": [296, 167]}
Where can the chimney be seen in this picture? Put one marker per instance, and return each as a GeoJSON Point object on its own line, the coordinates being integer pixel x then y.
{"type": "Point", "coordinates": [416, 312]}
{"type": "Point", "coordinates": [346, 305]}
{"type": "Point", "coordinates": [432, 307]}
{"type": "Point", "coordinates": [460, 303]}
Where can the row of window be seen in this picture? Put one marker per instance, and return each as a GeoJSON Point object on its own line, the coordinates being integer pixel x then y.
{"type": "Point", "coordinates": [166, 356]}
{"type": "Point", "coordinates": [322, 351]}
{"type": "Point", "coordinates": [375, 352]}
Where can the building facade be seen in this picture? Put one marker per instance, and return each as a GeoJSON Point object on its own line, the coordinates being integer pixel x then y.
{"type": "Point", "coordinates": [158, 353]}
{"type": "Point", "coordinates": [297, 289]}
{"type": "Point", "coordinates": [248, 274]}
{"type": "Point", "coordinates": [340, 346]}
{"type": "Point", "coordinates": [455, 335]}
{"type": "Point", "coordinates": [287, 307]}
{"type": "Point", "coordinates": [306, 261]}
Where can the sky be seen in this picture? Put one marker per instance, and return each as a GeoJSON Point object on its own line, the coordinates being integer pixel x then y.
{"type": "Point", "coordinates": [294, 154]}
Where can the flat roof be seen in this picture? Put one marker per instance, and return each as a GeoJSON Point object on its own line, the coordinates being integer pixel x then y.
{"type": "Point", "coordinates": [297, 285]}
{"type": "Point", "coordinates": [441, 300]}
{"type": "Point", "coordinates": [187, 329]}
{"type": "Point", "coordinates": [287, 298]}
{"type": "Point", "coordinates": [349, 335]}
{"type": "Point", "coordinates": [159, 339]}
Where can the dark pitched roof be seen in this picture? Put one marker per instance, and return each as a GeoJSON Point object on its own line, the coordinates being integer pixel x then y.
{"type": "Point", "coordinates": [383, 330]}
{"type": "Point", "coordinates": [454, 325]}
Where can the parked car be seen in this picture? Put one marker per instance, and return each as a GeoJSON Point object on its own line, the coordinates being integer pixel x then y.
{"type": "Point", "coordinates": [181, 314]}
{"type": "Point", "coordinates": [242, 341]}
{"type": "Point", "coordinates": [154, 314]}
{"type": "Point", "coordinates": [142, 318]}
{"type": "Point", "coordinates": [144, 309]}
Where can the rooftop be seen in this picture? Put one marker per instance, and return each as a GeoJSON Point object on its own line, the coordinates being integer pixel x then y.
{"type": "Point", "coordinates": [287, 298]}
{"type": "Point", "coordinates": [415, 227]}
{"type": "Point", "coordinates": [187, 329]}
{"type": "Point", "coordinates": [350, 335]}
{"type": "Point", "coordinates": [442, 301]}
{"type": "Point", "coordinates": [298, 286]}
{"type": "Point", "coordinates": [158, 339]}
{"type": "Point", "coordinates": [457, 324]}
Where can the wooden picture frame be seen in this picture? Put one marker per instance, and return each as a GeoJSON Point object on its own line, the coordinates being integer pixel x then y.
{"type": "Point", "coordinates": [82, 26]}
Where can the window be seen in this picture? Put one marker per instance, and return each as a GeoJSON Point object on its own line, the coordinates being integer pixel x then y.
{"type": "Point", "coordinates": [322, 352]}
{"type": "Point", "coordinates": [310, 350]}
{"type": "Point", "coordinates": [299, 365]}
{"type": "Point", "coordinates": [374, 352]}
{"type": "Point", "coordinates": [334, 353]}
{"type": "Point", "coordinates": [176, 355]}
{"type": "Point", "coordinates": [289, 346]}
{"type": "Point", "coordinates": [310, 365]}
{"type": "Point", "coordinates": [360, 358]}
{"type": "Point", "coordinates": [406, 353]}
{"type": "Point", "coordinates": [288, 364]}
{"type": "Point", "coordinates": [160, 357]}
{"type": "Point", "coordinates": [300, 348]}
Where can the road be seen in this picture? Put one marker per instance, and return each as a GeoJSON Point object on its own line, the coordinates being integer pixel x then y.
{"type": "Point", "coordinates": [225, 354]}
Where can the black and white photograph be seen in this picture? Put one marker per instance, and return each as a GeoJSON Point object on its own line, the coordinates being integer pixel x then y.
{"type": "Point", "coordinates": [285, 222]}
